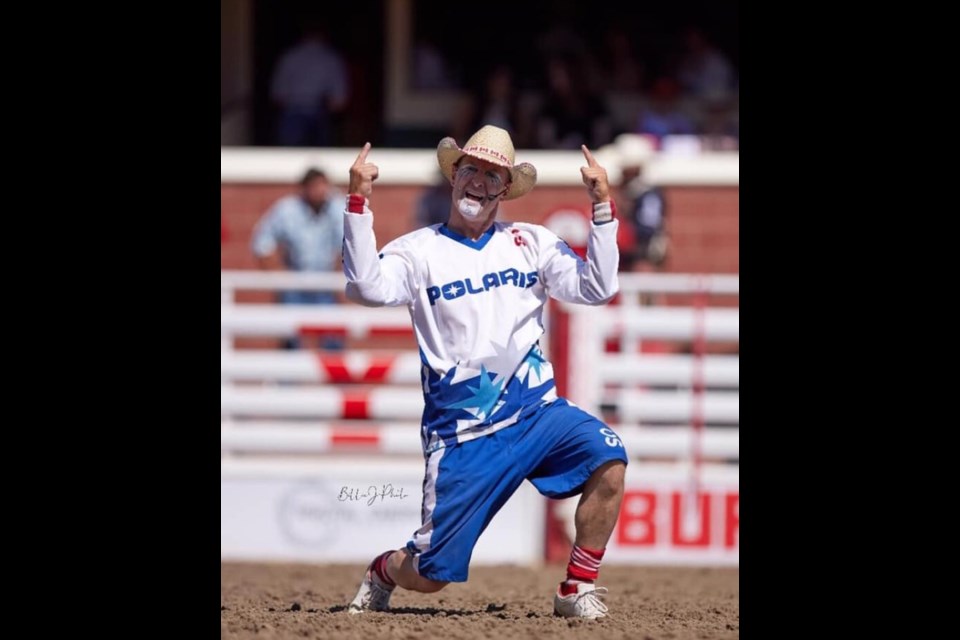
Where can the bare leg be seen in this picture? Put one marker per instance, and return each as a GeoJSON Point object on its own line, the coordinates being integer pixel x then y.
{"type": "Point", "coordinates": [599, 505]}
{"type": "Point", "coordinates": [400, 568]}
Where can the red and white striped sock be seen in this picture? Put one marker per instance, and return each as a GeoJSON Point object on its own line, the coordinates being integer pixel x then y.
{"type": "Point", "coordinates": [584, 566]}
{"type": "Point", "coordinates": [379, 566]}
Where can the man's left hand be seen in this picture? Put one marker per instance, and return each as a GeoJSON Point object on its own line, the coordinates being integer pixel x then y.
{"type": "Point", "coordinates": [595, 177]}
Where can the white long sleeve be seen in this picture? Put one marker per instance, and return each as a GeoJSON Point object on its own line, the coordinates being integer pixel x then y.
{"type": "Point", "coordinates": [570, 279]}
{"type": "Point", "coordinates": [371, 280]}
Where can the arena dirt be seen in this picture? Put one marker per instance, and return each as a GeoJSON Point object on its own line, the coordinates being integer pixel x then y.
{"type": "Point", "coordinates": [309, 601]}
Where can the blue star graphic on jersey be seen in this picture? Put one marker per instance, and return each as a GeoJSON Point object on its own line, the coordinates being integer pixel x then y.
{"type": "Point", "coordinates": [484, 396]}
{"type": "Point", "coordinates": [534, 360]}
{"type": "Point", "coordinates": [453, 290]}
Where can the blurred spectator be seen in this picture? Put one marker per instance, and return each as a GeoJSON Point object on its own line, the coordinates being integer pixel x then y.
{"type": "Point", "coordinates": [623, 71]}
{"type": "Point", "coordinates": [645, 207]}
{"type": "Point", "coordinates": [704, 71]}
{"type": "Point", "coordinates": [431, 70]}
{"type": "Point", "coordinates": [496, 102]}
{"type": "Point", "coordinates": [303, 232]}
{"type": "Point", "coordinates": [571, 115]}
{"type": "Point", "coordinates": [309, 87]}
{"type": "Point", "coordinates": [719, 128]}
{"type": "Point", "coordinates": [561, 38]}
{"type": "Point", "coordinates": [663, 115]}
{"type": "Point", "coordinates": [433, 205]}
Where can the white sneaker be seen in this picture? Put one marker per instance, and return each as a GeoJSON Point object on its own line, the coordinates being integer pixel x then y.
{"type": "Point", "coordinates": [585, 603]}
{"type": "Point", "coordinates": [371, 596]}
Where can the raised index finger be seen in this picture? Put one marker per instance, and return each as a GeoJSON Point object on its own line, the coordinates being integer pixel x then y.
{"type": "Point", "coordinates": [591, 161]}
{"type": "Point", "coordinates": [363, 154]}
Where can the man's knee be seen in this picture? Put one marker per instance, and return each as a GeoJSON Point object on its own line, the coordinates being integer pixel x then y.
{"type": "Point", "coordinates": [608, 478]}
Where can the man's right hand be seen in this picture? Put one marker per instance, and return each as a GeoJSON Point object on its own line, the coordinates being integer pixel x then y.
{"type": "Point", "coordinates": [363, 173]}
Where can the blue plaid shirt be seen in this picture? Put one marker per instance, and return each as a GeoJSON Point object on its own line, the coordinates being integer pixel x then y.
{"type": "Point", "coordinates": [311, 241]}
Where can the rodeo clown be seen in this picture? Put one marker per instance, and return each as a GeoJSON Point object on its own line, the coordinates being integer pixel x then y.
{"type": "Point", "coordinates": [476, 288]}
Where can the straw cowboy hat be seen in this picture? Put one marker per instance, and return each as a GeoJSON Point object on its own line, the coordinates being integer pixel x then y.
{"type": "Point", "coordinates": [492, 144]}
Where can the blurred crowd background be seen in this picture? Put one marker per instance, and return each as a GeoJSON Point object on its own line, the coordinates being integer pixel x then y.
{"type": "Point", "coordinates": [316, 398]}
{"type": "Point", "coordinates": [404, 73]}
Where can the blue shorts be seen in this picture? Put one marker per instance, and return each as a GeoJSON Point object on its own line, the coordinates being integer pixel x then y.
{"type": "Point", "coordinates": [556, 448]}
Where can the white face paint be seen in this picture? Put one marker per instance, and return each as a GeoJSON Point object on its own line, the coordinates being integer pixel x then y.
{"type": "Point", "coordinates": [468, 208]}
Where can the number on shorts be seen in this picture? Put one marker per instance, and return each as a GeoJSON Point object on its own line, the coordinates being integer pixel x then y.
{"type": "Point", "coordinates": [611, 438]}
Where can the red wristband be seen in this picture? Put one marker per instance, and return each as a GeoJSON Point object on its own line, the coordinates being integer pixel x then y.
{"type": "Point", "coordinates": [355, 203]}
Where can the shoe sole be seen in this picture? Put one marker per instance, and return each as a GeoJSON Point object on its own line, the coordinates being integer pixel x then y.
{"type": "Point", "coordinates": [560, 615]}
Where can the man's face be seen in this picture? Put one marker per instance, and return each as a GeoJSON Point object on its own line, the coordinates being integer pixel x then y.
{"type": "Point", "coordinates": [478, 186]}
{"type": "Point", "coordinates": [315, 192]}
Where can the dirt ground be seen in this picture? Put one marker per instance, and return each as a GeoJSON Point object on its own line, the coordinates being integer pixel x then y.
{"type": "Point", "coordinates": [309, 601]}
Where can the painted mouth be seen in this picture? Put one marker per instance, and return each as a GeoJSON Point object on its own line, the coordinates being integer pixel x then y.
{"type": "Point", "coordinates": [475, 197]}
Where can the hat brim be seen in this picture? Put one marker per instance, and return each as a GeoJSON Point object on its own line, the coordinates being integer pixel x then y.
{"type": "Point", "coordinates": [523, 176]}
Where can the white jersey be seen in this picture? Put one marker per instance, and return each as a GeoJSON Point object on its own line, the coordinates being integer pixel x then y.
{"type": "Point", "coordinates": [477, 311]}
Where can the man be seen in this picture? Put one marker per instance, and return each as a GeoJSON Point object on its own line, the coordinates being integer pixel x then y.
{"type": "Point", "coordinates": [310, 87]}
{"type": "Point", "coordinates": [647, 214]}
{"type": "Point", "coordinates": [476, 289]}
{"type": "Point", "coordinates": [303, 232]}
